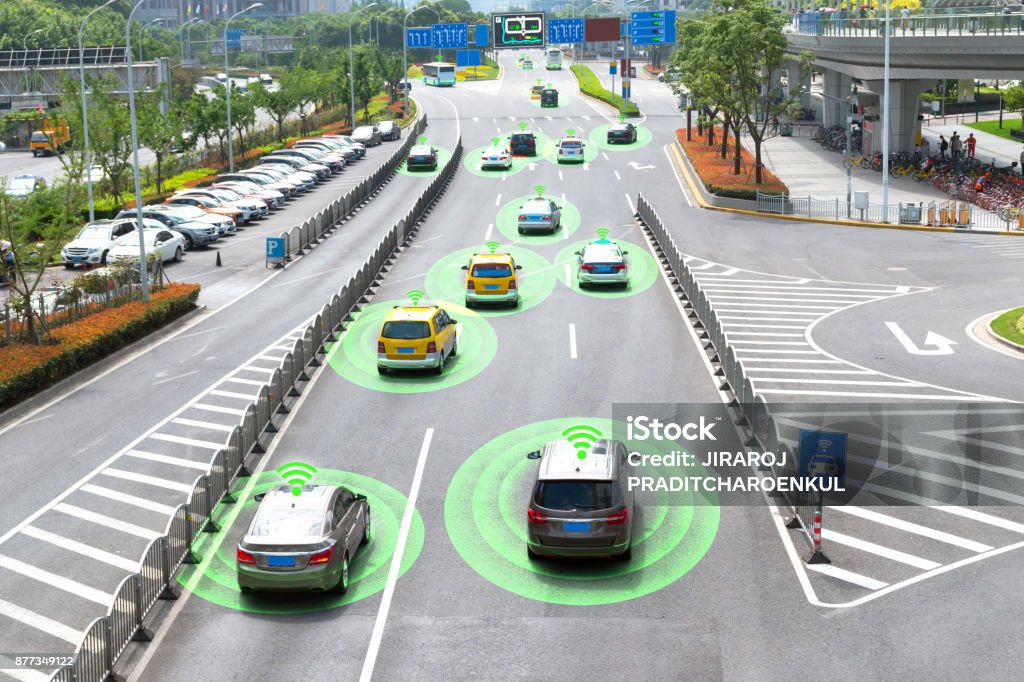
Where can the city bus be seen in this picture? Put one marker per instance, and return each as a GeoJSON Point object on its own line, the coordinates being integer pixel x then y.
{"type": "Point", "coordinates": [438, 73]}
{"type": "Point", "coordinates": [554, 59]}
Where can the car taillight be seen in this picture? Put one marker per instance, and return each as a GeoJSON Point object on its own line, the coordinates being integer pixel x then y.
{"type": "Point", "coordinates": [470, 284]}
{"type": "Point", "coordinates": [244, 557]}
{"type": "Point", "coordinates": [512, 284]}
{"type": "Point", "coordinates": [522, 217]}
{"type": "Point", "coordinates": [619, 266]}
{"type": "Point", "coordinates": [321, 557]}
{"type": "Point", "coordinates": [587, 266]}
{"type": "Point", "coordinates": [534, 516]}
{"type": "Point", "coordinates": [547, 217]}
{"type": "Point", "coordinates": [531, 143]}
{"type": "Point", "coordinates": [380, 347]}
{"type": "Point", "coordinates": [431, 347]}
{"type": "Point", "coordinates": [618, 518]}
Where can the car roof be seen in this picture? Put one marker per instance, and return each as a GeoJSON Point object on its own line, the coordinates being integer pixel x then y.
{"type": "Point", "coordinates": [491, 258]}
{"type": "Point", "coordinates": [537, 200]}
{"type": "Point", "coordinates": [561, 461]}
{"type": "Point", "coordinates": [312, 497]}
{"type": "Point", "coordinates": [621, 126]}
{"type": "Point", "coordinates": [422, 149]}
{"type": "Point", "coordinates": [602, 247]}
{"type": "Point", "coordinates": [524, 132]}
{"type": "Point", "coordinates": [500, 150]}
{"type": "Point", "coordinates": [568, 138]}
{"type": "Point", "coordinates": [386, 124]}
{"type": "Point", "coordinates": [413, 313]}
{"type": "Point", "coordinates": [537, 87]}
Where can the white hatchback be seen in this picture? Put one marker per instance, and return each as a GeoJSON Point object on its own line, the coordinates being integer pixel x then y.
{"type": "Point", "coordinates": [570, 149]}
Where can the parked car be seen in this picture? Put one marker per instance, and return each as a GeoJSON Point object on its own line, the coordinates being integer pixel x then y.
{"type": "Point", "coordinates": [285, 189]}
{"type": "Point", "coordinates": [329, 147]}
{"type": "Point", "coordinates": [224, 224]}
{"type": "Point", "coordinates": [194, 233]}
{"type": "Point", "coordinates": [251, 190]}
{"type": "Point", "coordinates": [251, 210]}
{"type": "Point", "coordinates": [95, 241]}
{"type": "Point", "coordinates": [207, 204]}
{"type": "Point", "coordinates": [266, 79]}
{"type": "Point", "coordinates": [368, 135]}
{"type": "Point", "coordinates": [358, 146]}
{"type": "Point", "coordinates": [166, 244]}
{"type": "Point", "coordinates": [23, 185]}
{"type": "Point", "coordinates": [335, 162]}
{"type": "Point", "coordinates": [389, 130]}
{"type": "Point", "coordinates": [320, 171]}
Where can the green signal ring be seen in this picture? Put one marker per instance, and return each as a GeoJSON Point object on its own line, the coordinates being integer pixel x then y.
{"type": "Point", "coordinates": [368, 568]}
{"type": "Point", "coordinates": [445, 282]}
{"type": "Point", "coordinates": [642, 268]}
{"type": "Point", "coordinates": [507, 221]}
{"type": "Point", "coordinates": [443, 155]}
{"type": "Point", "coordinates": [668, 542]}
{"type": "Point", "coordinates": [599, 136]}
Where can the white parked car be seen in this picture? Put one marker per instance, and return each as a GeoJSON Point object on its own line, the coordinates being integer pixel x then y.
{"type": "Point", "coordinates": [96, 240]}
{"type": "Point", "coordinates": [169, 245]}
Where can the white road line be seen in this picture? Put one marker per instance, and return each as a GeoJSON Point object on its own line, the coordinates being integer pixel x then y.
{"type": "Point", "coordinates": [731, 285]}
{"type": "Point", "coordinates": [981, 517]}
{"type": "Point", "coordinates": [560, 177]}
{"type": "Point", "coordinates": [247, 382]}
{"type": "Point", "coordinates": [40, 622]}
{"type": "Point", "coordinates": [738, 307]}
{"type": "Point", "coordinates": [182, 440]}
{"type": "Point", "coordinates": [497, 202]}
{"type": "Point", "coordinates": [568, 119]}
{"type": "Point", "coordinates": [396, 562]}
{"type": "Point", "coordinates": [81, 548]}
{"type": "Point", "coordinates": [758, 325]}
{"type": "Point", "coordinates": [218, 408]}
{"type": "Point", "coordinates": [285, 348]}
{"type": "Point", "coordinates": [203, 424]}
{"type": "Point", "coordinates": [253, 368]}
{"type": "Point", "coordinates": [572, 341]}
{"type": "Point", "coordinates": [909, 527]}
{"type": "Point", "coordinates": [788, 370]}
{"type": "Point", "coordinates": [790, 361]}
{"type": "Point", "coordinates": [758, 316]}
{"type": "Point", "coordinates": [60, 582]}
{"type": "Point", "coordinates": [847, 576]}
{"type": "Point", "coordinates": [568, 276]}
{"type": "Point", "coordinates": [879, 550]}
{"type": "Point", "coordinates": [118, 496]}
{"type": "Point", "coordinates": [779, 350]}
{"type": "Point", "coordinates": [837, 382]}
{"type": "Point", "coordinates": [108, 521]}
{"type": "Point", "coordinates": [148, 480]}
{"type": "Point", "coordinates": [167, 459]}
{"type": "Point", "coordinates": [856, 394]}
{"type": "Point", "coordinates": [586, 118]}
{"type": "Point", "coordinates": [174, 378]}
{"type": "Point", "coordinates": [276, 358]}
{"type": "Point", "coordinates": [490, 230]}
{"type": "Point", "coordinates": [617, 176]}
{"type": "Point", "coordinates": [632, 207]}
{"type": "Point", "coordinates": [231, 394]}
{"type": "Point", "coordinates": [605, 155]}
{"type": "Point", "coordinates": [755, 342]}
{"type": "Point", "coordinates": [774, 334]}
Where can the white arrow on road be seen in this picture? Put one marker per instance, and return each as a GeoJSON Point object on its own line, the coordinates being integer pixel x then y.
{"type": "Point", "coordinates": [942, 345]}
{"type": "Point", "coordinates": [586, 166]}
{"type": "Point", "coordinates": [531, 166]}
{"type": "Point", "coordinates": [636, 166]}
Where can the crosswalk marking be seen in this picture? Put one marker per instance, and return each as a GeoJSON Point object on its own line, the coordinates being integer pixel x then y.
{"type": "Point", "coordinates": [40, 622]}
{"type": "Point", "coordinates": [981, 517]}
{"type": "Point", "coordinates": [203, 424]}
{"type": "Point", "coordinates": [915, 528]}
{"type": "Point", "coordinates": [149, 480]}
{"type": "Point", "coordinates": [848, 576]}
{"type": "Point", "coordinates": [248, 382]}
{"type": "Point", "coordinates": [182, 440]}
{"type": "Point", "coordinates": [217, 408]}
{"type": "Point", "coordinates": [108, 521]}
{"type": "Point", "coordinates": [166, 459]}
{"type": "Point", "coordinates": [81, 548]}
{"type": "Point", "coordinates": [133, 500]}
{"type": "Point", "coordinates": [878, 550]}
{"type": "Point", "coordinates": [53, 580]}
{"type": "Point", "coordinates": [232, 394]}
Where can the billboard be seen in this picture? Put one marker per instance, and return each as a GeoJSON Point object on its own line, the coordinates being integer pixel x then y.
{"type": "Point", "coordinates": [522, 29]}
{"type": "Point", "coordinates": [603, 30]}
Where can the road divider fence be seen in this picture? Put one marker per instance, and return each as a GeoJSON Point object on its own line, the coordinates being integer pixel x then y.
{"type": "Point", "coordinates": [753, 412]}
{"type": "Point", "coordinates": [108, 636]}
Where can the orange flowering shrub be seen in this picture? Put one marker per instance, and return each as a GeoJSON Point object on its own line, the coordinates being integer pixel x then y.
{"type": "Point", "coordinates": [25, 368]}
{"type": "Point", "coordinates": [717, 173]}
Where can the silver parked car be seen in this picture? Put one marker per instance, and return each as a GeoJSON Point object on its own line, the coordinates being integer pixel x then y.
{"type": "Point", "coordinates": [305, 541]}
{"type": "Point", "coordinates": [602, 262]}
{"type": "Point", "coordinates": [539, 215]}
{"type": "Point", "coordinates": [581, 507]}
{"type": "Point", "coordinates": [368, 135]}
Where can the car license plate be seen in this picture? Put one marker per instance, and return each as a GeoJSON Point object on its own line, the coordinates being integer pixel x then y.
{"type": "Point", "coordinates": [490, 287]}
{"type": "Point", "coordinates": [419, 158]}
{"type": "Point", "coordinates": [280, 560]}
{"type": "Point", "coordinates": [576, 527]}
{"type": "Point", "coordinates": [493, 158]}
{"type": "Point", "coordinates": [406, 350]}
{"type": "Point", "coordinates": [604, 270]}
{"type": "Point", "coordinates": [76, 258]}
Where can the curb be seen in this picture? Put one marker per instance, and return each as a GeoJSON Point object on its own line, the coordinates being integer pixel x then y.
{"type": "Point", "coordinates": [700, 194]}
{"type": "Point", "coordinates": [987, 324]}
{"type": "Point", "coordinates": [614, 109]}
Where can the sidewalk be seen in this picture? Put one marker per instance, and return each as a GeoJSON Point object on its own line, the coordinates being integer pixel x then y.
{"type": "Point", "coordinates": [989, 146]}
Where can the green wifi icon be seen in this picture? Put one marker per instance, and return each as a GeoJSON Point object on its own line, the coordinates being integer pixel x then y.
{"type": "Point", "coordinates": [622, 118]}
{"type": "Point", "coordinates": [539, 81]}
{"type": "Point", "coordinates": [438, 56]}
{"type": "Point", "coordinates": [415, 295]}
{"type": "Point", "coordinates": [495, 141]}
{"type": "Point", "coordinates": [570, 131]}
{"type": "Point", "coordinates": [549, 85]}
{"type": "Point", "coordinates": [493, 246]}
{"type": "Point", "coordinates": [582, 437]}
{"type": "Point", "coordinates": [296, 474]}
{"type": "Point", "coordinates": [602, 232]}
{"type": "Point", "coordinates": [539, 189]}
{"type": "Point", "coordinates": [522, 125]}
{"type": "Point", "coordinates": [422, 139]}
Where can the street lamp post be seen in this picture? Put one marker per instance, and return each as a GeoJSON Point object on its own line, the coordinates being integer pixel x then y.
{"type": "Point", "coordinates": [188, 35]}
{"type": "Point", "coordinates": [885, 122]}
{"type": "Point", "coordinates": [405, 53]}
{"type": "Point", "coordinates": [351, 66]}
{"type": "Point", "coordinates": [85, 112]}
{"type": "Point", "coordinates": [181, 42]}
{"type": "Point", "coordinates": [142, 36]}
{"type": "Point", "coordinates": [849, 152]}
{"type": "Point", "coordinates": [227, 78]}
{"type": "Point", "coordinates": [24, 44]}
{"type": "Point", "coordinates": [143, 266]}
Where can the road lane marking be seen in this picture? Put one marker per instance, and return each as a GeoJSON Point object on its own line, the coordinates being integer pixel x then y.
{"type": "Point", "coordinates": [248, 382]}
{"type": "Point", "coordinates": [782, 334]}
{"type": "Point", "coordinates": [174, 378]}
{"type": "Point", "coordinates": [791, 370]}
{"type": "Point", "coordinates": [497, 202]}
{"type": "Point", "coordinates": [568, 276]}
{"type": "Point", "coordinates": [847, 576]}
{"type": "Point", "coordinates": [40, 622]}
{"type": "Point", "coordinates": [560, 176]}
{"type": "Point", "coordinates": [274, 358]}
{"type": "Point", "coordinates": [572, 341]}
{"type": "Point", "coordinates": [605, 156]}
{"type": "Point", "coordinates": [148, 480]}
{"type": "Point", "coordinates": [254, 368]}
{"type": "Point", "coordinates": [914, 528]}
{"type": "Point", "coordinates": [856, 394]}
{"type": "Point", "coordinates": [490, 230]}
{"type": "Point", "coordinates": [632, 207]}
{"type": "Point", "coordinates": [182, 440]}
{"type": "Point", "coordinates": [218, 408]}
{"type": "Point", "coordinates": [167, 459]}
{"type": "Point", "coordinates": [53, 580]}
{"type": "Point", "coordinates": [981, 517]}
{"type": "Point", "coordinates": [81, 548]}
{"type": "Point", "coordinates": [117, 496]}
{"type": "Point", "coordinates": [396, 562]}
{"type": "Point", "coordinates": [231, 394]}
{"type": "Point", "coordinates": [617, 176]}
{"type": "Point", "coordinates": [879, 550]}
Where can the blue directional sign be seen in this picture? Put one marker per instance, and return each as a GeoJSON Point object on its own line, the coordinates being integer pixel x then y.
{"type": "Point", "coordinates": [450, 36]}
{"type": "Point", "coordinates": [823, 454]}
{"type": "Point", "coordinates": [275, 250]}
{"type": "Point", "coordinates": [233, 38]}
{"type": "Point", "coordinates": [418, 37]}
{"type": "Point", "coordinates": [652, 28]}
{"type": "Point", "coordinates": [483, 39]}
{"type": "Point", "coordinates": [467, 58]}
{"type": "Point", "coordinates": [566, 30]}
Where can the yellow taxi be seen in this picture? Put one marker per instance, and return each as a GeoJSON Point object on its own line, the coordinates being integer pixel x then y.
{"type": "Point", "coordinates": [535, 91]}
{"type": "Point", "coordinates": [416, 337]}
{"type": "Point", "coordinates": [491, 278]}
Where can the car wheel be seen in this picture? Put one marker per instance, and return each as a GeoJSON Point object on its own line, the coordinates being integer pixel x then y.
{"type": "Point", "coordinates": [367, 526]}
{"type": "Point", "coordinates": [533, 556]}
{"type": "Point", "coordinates": [382, 370]}
{"type": "Point", "coordinates": [69, 266]}
{"type": "Point", "coordinates": [103, 258]}
{"type": "Point", "coordinates": [627, 555]}
{"type": "Point", "coordinates": [469, 304]}
{"type": "Point", "coordinates": [342, 587]}
{"type": "Point", "coordinates": [177, 254]}
{"type": "Point", "coordinates": [189, 244]}
{"type": "Point", "coordinates": [440, 365]}
{"type": "Point", "coordinates": [455, 349]}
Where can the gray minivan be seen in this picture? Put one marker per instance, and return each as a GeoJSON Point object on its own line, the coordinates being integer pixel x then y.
{"type": "Point", "coordinates": [581, 507]}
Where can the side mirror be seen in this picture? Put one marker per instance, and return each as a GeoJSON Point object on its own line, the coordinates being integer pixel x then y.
{"type": "Point", "coordinates": [533, 455]}
{"type": "Point", "coordinates": [259, 496]}
{"type": "Point", "coordinates": [453, 320]}
{"type": "Point", "coordinates": [579, 253]}
{"type": "Point", "coordinates": [360, 497]}
{"type": "Point", "coordinates": [465, 267]}
{"type": "Point", "coordinates": [519, 267]}
{"type": "Point", "coordinates": [625, 253]}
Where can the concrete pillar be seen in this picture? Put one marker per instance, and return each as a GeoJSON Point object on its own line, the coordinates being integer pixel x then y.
{"type": "Point", "coordinates": [837, 86]}
{"type": "Point", "coordinates": [903, 102]}
{"type": "Point", "coordinates": [798, 77]}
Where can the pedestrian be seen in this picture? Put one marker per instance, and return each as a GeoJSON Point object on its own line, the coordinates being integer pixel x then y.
{"type": "Point", "coordinates": [944, 145]}
{"type": "Point", "coordinates": [1022, 161]}
{"type": "Point", "coordinates": [955, 146]}
{"type": "Point", "coordinates": [775, 124]}
{"type": "Point", "coordinates": [971, 142]}
{"type": "Point", "coordinates": [904, 18]}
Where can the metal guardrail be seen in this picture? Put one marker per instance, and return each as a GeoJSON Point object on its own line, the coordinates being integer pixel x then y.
{"type": "Point", "coordinates": [753, 410]}
{"type": "Point", "coordinates": [108, 636]}
{"type": "Point", "coordinates": [855, 25]}
{"type": "Point", "coordinates": [63, 56]}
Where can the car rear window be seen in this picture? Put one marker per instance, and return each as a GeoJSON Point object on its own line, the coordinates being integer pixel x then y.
{"type": "Point", "coordinates": [492, 270]}
{"type": "Point", "coordinates": [577, 495]}
{"type": "Point", "coordinates": [406, 329]}
{"type": "Point", "coordinates": [288, 523]}
{"type": "Point", "coordinates": [570, 145]}
{"type": "Point", "coordinates": [522, 137]}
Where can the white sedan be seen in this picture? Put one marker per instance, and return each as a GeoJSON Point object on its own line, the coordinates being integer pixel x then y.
{"type": "Point", "coordinates": [496, 157]}
{"type": "Point", "coordinates": [170, 245]}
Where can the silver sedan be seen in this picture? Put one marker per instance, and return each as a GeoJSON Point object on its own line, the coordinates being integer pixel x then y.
{"type": "Point", "coordinates": [602, 262]}
{"type": "Point", "coordinates": [539, 215]}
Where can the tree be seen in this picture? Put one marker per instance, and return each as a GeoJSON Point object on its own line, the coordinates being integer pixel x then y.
{"type": "Point", "coordinates": [243, 113]}
{"type": "Point", "coordinates": [110, 133]}
{"type": "Point", "coordinates": [366, 80]}
{"type": "Point", "coordinates": [389, 66]}
{"type": "Point", "coordinates": [198, 110]}
{"type": "Point", "coordinates": [157, 131]}
{"type": "Point", "coordinates": [37, 226]}
{"type": "Point", "coordinates": [1013, 99]}
{"type": "Point", "coordinates": [278, 103]}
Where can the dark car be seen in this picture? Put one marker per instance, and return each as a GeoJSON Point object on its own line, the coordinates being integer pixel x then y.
{"type": "Point", "coordinates": [523, 143]}
{"type": "Point", "coordinates": [303, 539]}
{"type": "Point", "coordinates": [422, 156]}
{"type": "Point", "coordinates": [622, 132]}
{"type": "Point", "coordinates": [389, 130]}
{"type": "Point", "coordinates": [195, 233]}
{"type": "Point", "coordinates": [549, 97]}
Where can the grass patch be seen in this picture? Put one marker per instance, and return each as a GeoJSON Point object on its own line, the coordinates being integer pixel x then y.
{"type": "Point", "coordinates": [1010, 325]}
{"type": "Point", "coordinates": [590, 85]}
{"type": "Point", "coordinates": [716, 172]}
{"type": "Point", "coordinates": [992, 127]}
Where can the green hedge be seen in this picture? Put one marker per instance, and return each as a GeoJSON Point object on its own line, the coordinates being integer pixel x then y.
{"type": "Point", "coordinates": [590, 85]}
{"type": "Point", "coordinates": [732, 192]}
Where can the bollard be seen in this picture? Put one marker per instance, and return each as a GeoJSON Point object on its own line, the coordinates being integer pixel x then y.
{"type": "Point", "coordinates": [218, 259]}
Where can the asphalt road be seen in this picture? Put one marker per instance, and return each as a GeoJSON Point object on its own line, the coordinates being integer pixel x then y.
{"type": "Point", "coordinates": [711, 592]}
